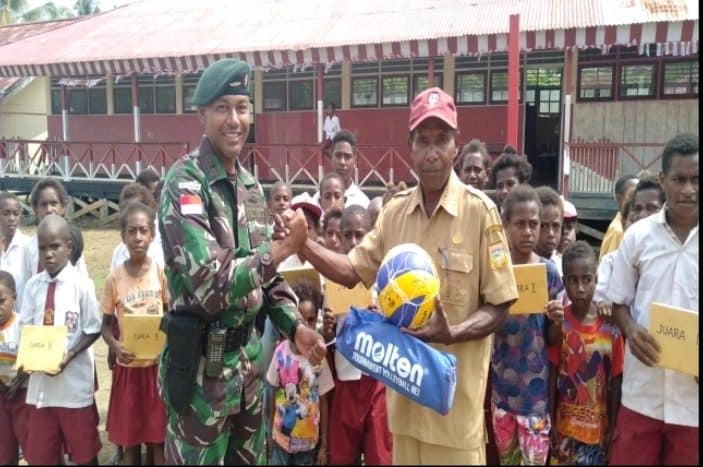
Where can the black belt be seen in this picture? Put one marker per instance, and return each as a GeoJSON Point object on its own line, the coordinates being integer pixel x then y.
{"type": "Point", "coordinates": [236, 338]}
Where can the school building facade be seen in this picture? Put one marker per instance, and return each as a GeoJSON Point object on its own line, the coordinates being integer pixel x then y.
{"type": "Point", "coordinates": [602, 85]}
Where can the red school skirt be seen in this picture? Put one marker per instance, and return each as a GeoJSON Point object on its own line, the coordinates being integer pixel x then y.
{"type": "Point", "coordinates": [136, 413]}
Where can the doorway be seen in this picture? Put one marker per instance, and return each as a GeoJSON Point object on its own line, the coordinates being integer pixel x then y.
{"type": "Point", "coordinates": [543, 123]}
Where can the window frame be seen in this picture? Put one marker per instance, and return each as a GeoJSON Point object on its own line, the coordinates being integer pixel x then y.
{"type": "Point", "coordinates": [613, 90]}
{"type": "Point", "coordinates": [662, 80]}
{"type": "Point", "coordinates": [354, 79]}
{"type": "Point", "coordinates": [483, 73]}
{"type": "Point", "coordinates": [655, 81]}
{"type": "Point", "coordinates": [292, 82]}
{"type": "Point", "coordinates": [405, 76]}
{"type": "Point", "coordinates": [284, 86]}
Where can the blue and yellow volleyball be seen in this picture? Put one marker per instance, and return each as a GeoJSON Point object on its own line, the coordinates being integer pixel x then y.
{"type": "Point", "coordinates": [407, 284]}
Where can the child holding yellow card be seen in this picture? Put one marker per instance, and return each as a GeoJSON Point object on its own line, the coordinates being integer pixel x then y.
{"type": "Point", "coordinates": [586, 375]}
{"type": "Point", "coordinates": [62, 415]}
{"type": "Point", "coordinates": [519, 364]}
{"type": "Point", "coordinates": [136, 413]}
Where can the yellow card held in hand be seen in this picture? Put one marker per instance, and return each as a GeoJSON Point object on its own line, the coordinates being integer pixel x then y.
{"type": "Point", "coordinates": [304, 273]}
{"type": "Point", "coordinates": [531, 280]}
{"type": "Point", "coordinates": [141, 335]}
{"type": "Point", "coordinates": [340, 299]}
{"type": "Point", "coordinates": [41, 348]}
{"type": "Point", "coordinates": [676, 331]}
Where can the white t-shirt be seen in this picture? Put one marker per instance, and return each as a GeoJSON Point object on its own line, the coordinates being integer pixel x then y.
{"type": "Point", "coordinates": [652, 265]}
{"type": "Point", "coordinates": [9, 343]}
{"type": "Point", "coordinates": [345, 370]}
{"type": "Point", "coordinates": [12, 260]}
{"type": "Point", "coordinates": [331, 126]}
{"type": "Point", "coordinates": [77, 308]}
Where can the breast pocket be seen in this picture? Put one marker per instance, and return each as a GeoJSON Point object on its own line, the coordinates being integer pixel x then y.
{"type": "Point", "coordinates": [457, 267]}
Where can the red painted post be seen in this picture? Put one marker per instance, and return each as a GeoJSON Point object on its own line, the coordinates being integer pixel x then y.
{"type": "Point", "coordinates": [513, 80]}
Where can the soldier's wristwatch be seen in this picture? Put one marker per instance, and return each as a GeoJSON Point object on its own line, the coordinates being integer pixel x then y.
{"type": "Point", "coordinates": [295, 328]}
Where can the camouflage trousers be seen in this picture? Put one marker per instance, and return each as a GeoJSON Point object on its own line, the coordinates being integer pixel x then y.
{"type": "Point", "coordinates": [223, 425]}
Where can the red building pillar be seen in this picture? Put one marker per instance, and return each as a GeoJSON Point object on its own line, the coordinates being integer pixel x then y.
{"type": "Point", "coordinates": [513, 80]}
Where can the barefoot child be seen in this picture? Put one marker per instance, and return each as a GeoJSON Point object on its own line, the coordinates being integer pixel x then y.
{"type": "Point", "coordinates": [14, 411]}
{"type": "Point", "coordinates": [62, 410]}
{"type": "Point", "coordinates": [299, 399]}
{"type": "Point", "coordinates": [586, 374]}
{"type": "Point", "coordinates": [136, 413]}
{"type": "Point", "coordinates": [519, 363]}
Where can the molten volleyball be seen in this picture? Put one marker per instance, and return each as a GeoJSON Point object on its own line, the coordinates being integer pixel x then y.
{"type": "Point", "coordinates": [407, 284]}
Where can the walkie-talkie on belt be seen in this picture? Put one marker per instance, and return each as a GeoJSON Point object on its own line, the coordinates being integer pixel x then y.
{"type": "Point", "coordinates": [215, 350]}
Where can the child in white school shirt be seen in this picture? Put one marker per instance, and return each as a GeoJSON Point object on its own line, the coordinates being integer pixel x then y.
{"type": "Point", "coordinates": [62, 405]}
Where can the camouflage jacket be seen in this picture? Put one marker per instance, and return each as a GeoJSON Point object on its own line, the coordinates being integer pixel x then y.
{"type": "Point", "coordinates": [217, 244]}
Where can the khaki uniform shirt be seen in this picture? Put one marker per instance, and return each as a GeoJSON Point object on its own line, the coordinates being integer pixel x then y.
{"type": "Point", "coordinates": [612, 238]}
{"type": "Point", "coordinates": [465, 238]}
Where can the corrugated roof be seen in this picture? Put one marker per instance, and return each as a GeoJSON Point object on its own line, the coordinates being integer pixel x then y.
{"type": "Point", "coordinates": [15, 32]}
{"type": "Point", "coordinates": [155, 29]}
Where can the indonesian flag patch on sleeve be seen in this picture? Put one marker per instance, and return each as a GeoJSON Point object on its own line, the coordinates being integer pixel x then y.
{"type": "Point", "coordinates": [191, 205]}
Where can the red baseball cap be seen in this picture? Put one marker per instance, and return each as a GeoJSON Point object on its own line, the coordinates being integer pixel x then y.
{"type": "Point", "coordinates": [432, 102]}
{"type": "Point", "coordinates": [306, 203]}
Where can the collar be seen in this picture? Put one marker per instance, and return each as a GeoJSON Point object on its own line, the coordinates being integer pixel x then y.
{"type": "Point", "coordinates": [211, 166]}
{"type": "Point", "coordinates": [449, 200]}
{"type": "Point", "coordinates": [660, 216]}
{"type": "Point", "coordinates": [17, 240]}
{"type": "Point", "coordinates": [66, 273]}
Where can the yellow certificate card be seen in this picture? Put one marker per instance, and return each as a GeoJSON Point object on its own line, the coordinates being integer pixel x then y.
{"type": "Point", "coordinates": [676, 331]}
{"type": "Point", "coordinates": [340, 299]}
{"type": "Point", "coordinates": [304, 273]}
{"type": "Point", "coordinates": [41, 348]}
{"type": "Point", "coordinates": [141, 335]}
{"type": "Point", "coordinates": [531, 282]}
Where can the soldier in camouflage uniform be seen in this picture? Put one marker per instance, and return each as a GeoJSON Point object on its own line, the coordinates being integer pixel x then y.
{"type": "Point", "coordinates": [221, 266]}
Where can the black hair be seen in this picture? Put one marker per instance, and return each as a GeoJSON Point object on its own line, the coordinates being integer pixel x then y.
{"type": "Point", "coordinates": [549, 197]}
{"type": "Point", "coordinates": [393, 189]}
{"type": "Point", "coordinates": [509, 149]}
{"type": "Point", "coordinates": [134, 207]}
{"type": "Point", "coordinates": [77, 244]}
{"type": "Point", "coordinates": [329, 176]}
{"type": "Point", "coordinates": [8, 281]}
{"type": "Point", "coordinates": [523, 169]}
{"type": "Point", "coordinates": [520, 194]}
{"type": "Point", "coordinates": [134, 191]}
{"type": "Point", "coordinates": [356, 210]}
{"type": "Point", "coordinates": [621, 183]}
{"type": "Point", "coordinates": [650, 183]}
{"type": "Point", "coordinates": [42, 185]}
{"type": "Point", "coordinates": [473, 146]}
{"type": "Point", "coordinates": [157, 192]}
{"type": "Point", "coordinates": [578, 250]}
{"type": "Point", "coordinates": [8, 196]}
{"type": "Point", "coordinates": [306, 290]}
{"type": "Point", "coordinates": [147, 176]}
{"type": "Point", "coordinates": [334, 213]}
{"type": "Point", "coordinates": [331, 104]}
{"type": "Point", "coordinates": [280, 184]}
{"type": "Point", "coordinates": [345, 136]}
{"type": "Point", "coordinates": [627, 204]}
{"type": "Point", "coordinates": [684, 144]}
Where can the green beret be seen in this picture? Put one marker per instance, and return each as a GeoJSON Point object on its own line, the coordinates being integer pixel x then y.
{"type": "Point", "coordinates": [224, 77]}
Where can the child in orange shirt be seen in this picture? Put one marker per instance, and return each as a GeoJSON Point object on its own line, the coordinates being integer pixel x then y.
{"type": "Point", "coordinates": [136, 413]}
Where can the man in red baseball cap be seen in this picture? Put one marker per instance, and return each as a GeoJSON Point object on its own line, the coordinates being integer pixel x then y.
{"type": "Point", "coordinates": [461, 230]}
